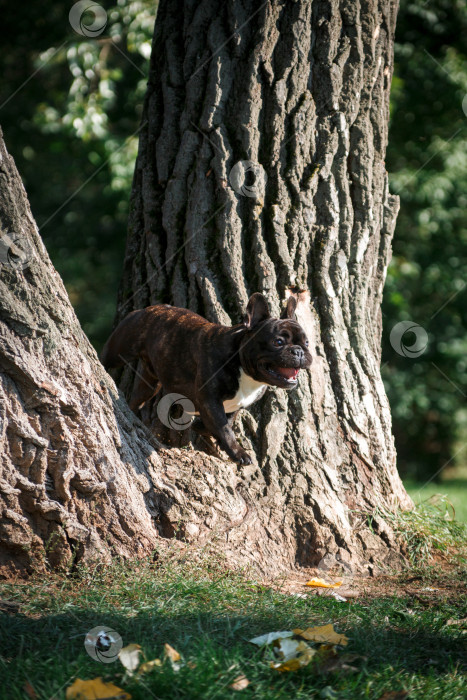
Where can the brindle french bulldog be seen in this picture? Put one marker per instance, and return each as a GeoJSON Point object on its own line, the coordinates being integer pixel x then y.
{"type": "Point", "coordinates": [219, 368]}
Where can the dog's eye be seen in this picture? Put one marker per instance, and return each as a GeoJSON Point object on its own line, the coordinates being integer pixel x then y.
{"type": "Point", "coordinates": [279, 342]}
{"type": "Point", "coordinates": [307, 343]}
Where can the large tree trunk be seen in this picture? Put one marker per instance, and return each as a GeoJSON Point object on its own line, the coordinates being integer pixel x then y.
{"type": "Point", "coordinates": [301, 88]}
{"type": "Point", "coordinates": [79, 477]}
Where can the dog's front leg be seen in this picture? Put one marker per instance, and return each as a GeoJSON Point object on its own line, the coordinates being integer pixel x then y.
{"type": "Point", "coordinates": [218, 424]}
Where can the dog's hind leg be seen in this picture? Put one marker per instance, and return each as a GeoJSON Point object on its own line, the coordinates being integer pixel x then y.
{"type": "Point", "coordinates": [146, 386]}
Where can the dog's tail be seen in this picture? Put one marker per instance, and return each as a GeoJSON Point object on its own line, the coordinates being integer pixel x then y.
{"type": "Point", "coordinates": [126, 341]}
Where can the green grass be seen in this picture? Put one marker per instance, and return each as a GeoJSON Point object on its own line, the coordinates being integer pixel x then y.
{"type": "Point", "coordinates": [455, 491]}
{"type": "Point", "coordinates": [208, 613]}
{"type": "Point", "coordinates": [431, 528]}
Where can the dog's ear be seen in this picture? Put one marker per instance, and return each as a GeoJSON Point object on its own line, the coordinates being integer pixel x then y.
{"type": "Point", "coordinates": [289, 311]}
{"type": "Point", "coordinates": [257, 310]}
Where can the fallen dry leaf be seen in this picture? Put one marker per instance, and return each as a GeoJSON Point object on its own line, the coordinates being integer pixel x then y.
{"type": "Point", "coordinates": [29, 690]}
{"type": "Point", "coordinates": [321, 583]}
{"type": "Point", "coordinates": [129, 657]}
{"type": "Point", "coordinates": [324, 634]}
{"type": "Point", "coordinates": [394, 695]}
{"type": "Point", "coordinates": [8, 606]}
{"type": "Point", "coordinates": [462, 623]}
{"type": "Point", "coordinates": [240, 683]}
{"type": "Point", "coordinates": [171, 653]}
{"type": "Point", "coordinates": [270, 637]}
{"type": "Point", "coordinates": [351, 593]}
{"type": "Point", "coordinates": [304, 655]}
{"type": "Point", "coordinates": [149, 665]}
{"type": "Point", "coordinates": [174, 656]}
{"type": "Point", "coordinates": [95, 689]}
{"type": "Point", "coordinates": [290, 665]}
{"type": "Point", "coordinates": [293, 654]}
{"type": "Point", "coordinates": [338, 597]}
{"type": "Point", "coordinates": [288, 648]}
{"type": "Point", "coordinates": [340, 662]}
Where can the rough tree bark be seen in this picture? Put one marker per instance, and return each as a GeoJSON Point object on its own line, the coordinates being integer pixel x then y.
{"type": "Point", "coordinates": [79, 478]}
{"type": "Point", "coordinates": [302, 89]}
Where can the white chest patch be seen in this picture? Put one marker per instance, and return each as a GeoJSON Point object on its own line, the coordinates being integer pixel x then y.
{"type": "Point", "coordinates": [248, 392]}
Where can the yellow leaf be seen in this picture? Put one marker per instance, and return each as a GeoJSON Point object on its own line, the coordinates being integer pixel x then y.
{"type": "Point", "coordinates": [324, 634]}
{"type": "Point", "coordinates": [174, 656]}
{"type": "Point", "coordinates": [149, 665]}
{"type": "Point", "coordinates": [240, 683]}
{"type": "Point", "coordinates": [129, 656]}
{"type": "Point", "coordinates": [290, 665]}
{"type": "Point", "coordinates": [95, 689]}
{"type": "Point", "coordinates": [321, 583]}
{"type": "Point", "coordinates": [171, 653]}
{"type": "Point", "coordinates": [303, 656]}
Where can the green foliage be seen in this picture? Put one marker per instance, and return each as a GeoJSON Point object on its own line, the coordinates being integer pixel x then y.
{"type": "Point", "coordinates": [72, 129]}
{"type": "Point", "coordinates": [454, 491]}
{"type": "Point", "coordinates": [430, 528]}
{"type": "Point", "coordinates": [208, 613]}
{"type": "Point", "coordinates": [427, 159]}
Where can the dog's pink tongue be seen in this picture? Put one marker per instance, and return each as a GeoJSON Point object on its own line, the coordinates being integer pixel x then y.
{"type": "Point", "coordinates": [288, 372]}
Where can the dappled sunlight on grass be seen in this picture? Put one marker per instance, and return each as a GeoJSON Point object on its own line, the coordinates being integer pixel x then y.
{"type": "Point", "coordinates": [454, 490]}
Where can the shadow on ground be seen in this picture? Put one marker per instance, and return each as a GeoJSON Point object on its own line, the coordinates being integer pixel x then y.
{"type": "Point", "coordinates": [48, 651]}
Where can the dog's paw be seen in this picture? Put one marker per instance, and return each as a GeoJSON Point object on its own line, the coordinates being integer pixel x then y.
{"type": "Point", "coordinates": [242, 457]}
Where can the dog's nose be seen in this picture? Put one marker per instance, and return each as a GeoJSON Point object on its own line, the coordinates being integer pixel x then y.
{"type": "Point", "coordinates": [297, 352]}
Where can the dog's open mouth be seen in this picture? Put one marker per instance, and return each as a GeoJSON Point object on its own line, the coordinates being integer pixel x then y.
{"type": "Point", "coordinates": [290, 374]}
